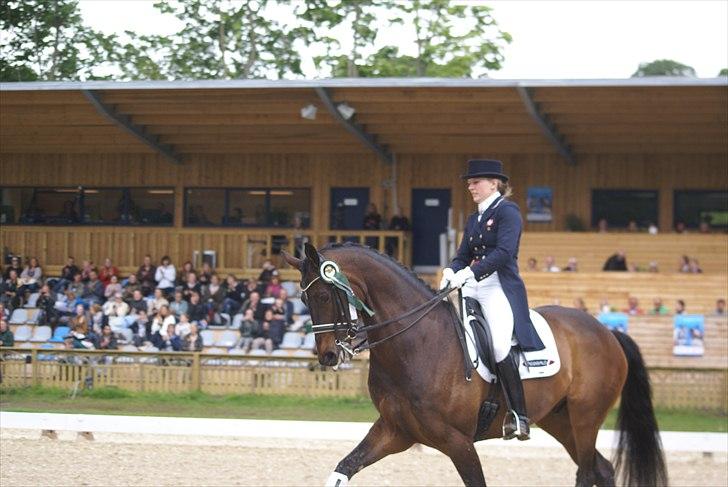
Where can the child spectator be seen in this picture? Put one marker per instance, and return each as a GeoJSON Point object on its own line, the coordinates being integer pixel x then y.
{"type": "Point", "coordinates": [605, 307]}
{"type": "Point", "coordinates": [161, 322]}
{"type": "Point", "coordinates": [184, 326]}
{"type": "Point", "coordinates": [659, 309]}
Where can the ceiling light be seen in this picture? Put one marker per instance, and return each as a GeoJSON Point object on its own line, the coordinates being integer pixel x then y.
{"type": "Point", "coordinates": [309, 112]}
{"type": "Point", "coordinates": [346, 111]}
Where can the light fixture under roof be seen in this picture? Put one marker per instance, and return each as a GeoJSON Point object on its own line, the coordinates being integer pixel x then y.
{"type": "Point", "coordinates": [309, 112]}
{"type": "Point", "coordinates": [345, 110]}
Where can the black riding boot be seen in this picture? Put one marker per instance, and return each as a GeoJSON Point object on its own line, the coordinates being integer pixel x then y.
{"type": "Point", "coordinates": [514, 426]}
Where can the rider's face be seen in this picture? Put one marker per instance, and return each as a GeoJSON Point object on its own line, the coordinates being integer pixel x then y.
{"type": "Point", "coordinates": [481, 188]}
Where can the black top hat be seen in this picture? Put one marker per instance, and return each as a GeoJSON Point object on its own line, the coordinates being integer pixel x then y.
{"type": "Point", "coordinates": [485, 168]}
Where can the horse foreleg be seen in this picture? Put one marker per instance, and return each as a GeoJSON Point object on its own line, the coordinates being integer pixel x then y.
{"type": "Point", "coordinates": [383, 439]}
{"type": "Point", "coordinates": [461, 450]}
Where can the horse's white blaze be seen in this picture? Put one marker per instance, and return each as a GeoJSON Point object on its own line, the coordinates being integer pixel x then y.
{"type": "Point", "coordinates": [337, 479]}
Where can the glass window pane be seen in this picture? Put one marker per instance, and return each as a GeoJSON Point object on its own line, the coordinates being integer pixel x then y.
{"type": "Point", "coordinates": [693, 207]}
{"type": "Point", "coordinates": [204, 207]}
{"type": "Point", "coordinates": [10, 205]}
{"type": "Point", "coordinates": [619, 207]}
{"type": "Point", "coordinates": [289, 206]}
{"type": "Point", "coordinates": [247, 208]}
{"type": "Point", "coordinates": [104, 206]}
{"type": "Point", "coordinates": [153, 206]}
{"type": "Point", "coordinates": [46, 206]}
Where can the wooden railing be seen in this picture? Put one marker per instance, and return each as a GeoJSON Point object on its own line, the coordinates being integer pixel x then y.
{"type": "Point", "coordinates": [241, 251]}
{"type": "Point", "coordinates": [673, 387]}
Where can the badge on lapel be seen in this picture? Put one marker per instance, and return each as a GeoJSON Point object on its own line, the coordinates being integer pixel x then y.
{"type": "Point", "coordinates": [488, 225]}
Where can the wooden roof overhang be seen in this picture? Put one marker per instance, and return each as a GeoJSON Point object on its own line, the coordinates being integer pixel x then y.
{"type": "Point", "coordinates": [393, 116]}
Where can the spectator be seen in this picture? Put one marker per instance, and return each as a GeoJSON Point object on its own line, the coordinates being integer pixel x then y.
{"type": "Point", "coordinates": [137, 303]}
{"type": "Point", "coordinates": [10, 296]}
{"type": "Point", "coordinates": [97, 318]}
{"type": "Point", "coordinates": [87, 267]}
{"type": "Point", "coordinates": [107, 340]}
{"type": "Point", "coordinates": [80, 321]}
{"type": "Point", "coordinates": [165, 275]}
{"type": "Point", "coordinates": [131, 285]}
{"type": "Point", "coordinates": [267, 273]}
{"type": "Point", "coordinates": [249, 329]}
{"type": "Point", "coordinates": [653, 267]}
{"type": "Point", "coordinates": [112, 287]}
{"type": "Point", "coordinates": [372, 218]}
{"type": "Point", "coordinates": [652, 229]}
{"type": "Point", "coordinates": [633, 308]}
{"type": "Point", "coordinates": [571, 265]}
{"type": "Point", "coordinates": [94, 290]}
{"type": "Point", "coordinates": [14, 265]}
{"type": "Point", "coordinates": [616, 262]}
{"type": "Point", "coordinates": [146, 276]}
{"type": "Point", "coordinates": [47, 304]}
{"type": "Point", "coordinates": [720, 307]}
{"type": "Point", "coordinates": [233, 296]}
{"type": "Point", "coordinates": [694, 266]}
{"type": "Point", "coordinates": [30, 278]}
{"type": "Point", "coordinates": [605, 307]}
{"type": "Point", "coordinates": [680, 307]}
{"type": "Point", "coordinates": [398, 223]}
{"type": "Point", "coordinates": [157, 302]}
{"type": "Point", "coordinates": [183, 325]}
{"type": "Point", "coordinates": [77, 287]}
{"type": "Point", "coordinates": [658, 308]}
{"type": "Point", "coordinates": [179, 306]}
{"type": "Point", "coordinates": [551, 265]}
{"type": "Point", "coordinates": [6, 336]}
{"type": "Point", "coordinates": [250, 286]}
{"type": "Point", "coordinates": [602, 225]}
{"type": "Point", "coordinates": [580, 305]}
{"type": "Point", "coordinates": [532, 265]}
{"type": "Point", "coordinates": [270, 334]}
{"type": "Point", "coordinates": [274, 288]}
{"type": "Point", "coordinates": [68, 273]}
{"type": "Point", "coordinates": [161, 323]}
{"type": "Point", "coordinates": [167, 341]}
{"type": "Point", "coordinates": [191, 286]}
{"type": "Point", "coordinates": [108, 270]}
{"type": "Point", "coordinates": [184, 271]}
{"type": "Point", "coordinates": [192, 342]}
{"type": "Point", "coordinates": [205, 274]}
{"type": "Point", "coordinates": [197, 311]}
{"type": "Point", "coordinates": [287, 306]}
{"type": "Point", "coordinates": [213, 294]}
{"type": "Point", "coordinates": [116, 307]}
{"type": "Point", "coordinates": [4, 313]}
{"type": "Point", "coordinates": [704, 227]}
{"type": "Point", "coordinates": [254, 303]}
{"type": "Point", "coordinates": [684, 265]}
{"type": "Point", "coordinates": [680, 227]}
{"type": "Point", "coordinates": [632, 227]}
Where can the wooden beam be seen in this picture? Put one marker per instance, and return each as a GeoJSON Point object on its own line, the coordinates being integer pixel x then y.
{"type": "Point", "coordinates": [138, 131]}
{"type": "Point", "coordinates": [547, 127]}
{"type": "Point", "coordinates": [355, 129]}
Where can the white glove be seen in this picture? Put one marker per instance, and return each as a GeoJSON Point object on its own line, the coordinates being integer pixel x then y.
{"type": "Point", "coordinates": [447, 275]}
{"type": "Point", "coordinates": [461, 277]}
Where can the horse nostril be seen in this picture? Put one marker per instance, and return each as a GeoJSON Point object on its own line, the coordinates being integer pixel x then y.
{"type": "Point", "coordinates": [330, 358]}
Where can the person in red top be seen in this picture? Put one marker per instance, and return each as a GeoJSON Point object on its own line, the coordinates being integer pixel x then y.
{"type": "Point", "coordinates": [108, 270]}
{"type": "Point", "coordinates": [633, 307]}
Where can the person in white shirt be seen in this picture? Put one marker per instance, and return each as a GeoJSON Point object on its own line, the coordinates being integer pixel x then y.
{"type": "Point", "coordinates": [165, 275]}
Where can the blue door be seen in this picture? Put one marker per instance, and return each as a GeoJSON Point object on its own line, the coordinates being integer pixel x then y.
{"type": "Point", "coordinates": [348, 207]}
{"type": "Point", "coordinates": [430, 208]}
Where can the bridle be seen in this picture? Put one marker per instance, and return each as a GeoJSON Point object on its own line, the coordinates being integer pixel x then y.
{"type": "Point", "coordinates": [347, 303]}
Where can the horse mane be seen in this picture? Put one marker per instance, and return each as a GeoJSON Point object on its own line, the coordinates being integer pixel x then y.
{"type": "Point", "coordinates": [384, 259]}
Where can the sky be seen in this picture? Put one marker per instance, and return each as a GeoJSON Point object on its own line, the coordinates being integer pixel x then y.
{"type": "Point", "coordinates": [575, 39]}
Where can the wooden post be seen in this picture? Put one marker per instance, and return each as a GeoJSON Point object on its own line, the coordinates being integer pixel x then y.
{"type": "Point", "coordinates": [34, 367]}
{"type": "Point", "coordinates": [196, 386]}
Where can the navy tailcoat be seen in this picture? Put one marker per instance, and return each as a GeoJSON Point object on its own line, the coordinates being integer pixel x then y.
{"type": "Point", "coordinates": [491, 245]}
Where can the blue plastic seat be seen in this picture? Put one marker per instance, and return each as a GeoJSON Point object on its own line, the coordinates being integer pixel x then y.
{"type": "Point", "coordinates": [59, 334]}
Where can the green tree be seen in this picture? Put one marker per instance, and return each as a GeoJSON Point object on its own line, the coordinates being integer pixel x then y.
{"type": "Point", "coordinates": [723, 72]}
{"type": "Point", "coordinates": [47, 40]}
{"type": "Point", "coordinates": [664, 67]}
{"type": "Point", "coordinates": [219, 40]}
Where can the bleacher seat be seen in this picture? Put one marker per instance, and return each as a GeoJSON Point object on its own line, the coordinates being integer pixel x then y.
{"type": "Point", "coordinates": [614, 321]}
{"type": "Point", "coordinates": [258, 352]}
{"type": "Point", "coordinates": [128, 348]}
{"type": "Point", "coordinates": [26, 345]}
{"type": "Point", "coordinates": [237, 320]}
{"type": "Point", "coordinates": [226, 319]}
{"type": "Point", "coordinates": [309, 342]}
{"type": "Point", "coordinates": [298, 306]}
{"type": "Point", "coordinates": [126, 334]}
{"type": "Point", "coordinates": [59, 334]}
{"type": "Point", "coordinates": [291, 288]}
{"type": "Point", "coordinates": [228, 339]}
{"type": "Point", "coordinates": [41, 334]}
{"type": "Point", "coordinates": [23, 333]}
{"type": "Point", "coordinates": [208, 338]}
{"type": "Point", "coordinates": [19, 317]}
{"type": "Point", "coordinates": [279, 353]}
{"type": "Point", "coordinates": [236, 351]}
{"type": "Point", "coordinates": [303, 353]}
{"type": "Point", "coordinates": [216, 350]}
{"type": "Point", "coordinates": [291, 340]}
{"type": "Point", "coordinates": [32, 300]}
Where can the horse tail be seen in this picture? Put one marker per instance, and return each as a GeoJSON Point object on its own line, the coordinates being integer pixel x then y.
{"type": "Point", "coordinates": [639, 458]}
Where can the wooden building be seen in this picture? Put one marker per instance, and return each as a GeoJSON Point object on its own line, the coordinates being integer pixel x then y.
{"type": "Point", "coordinates": [314, 153]}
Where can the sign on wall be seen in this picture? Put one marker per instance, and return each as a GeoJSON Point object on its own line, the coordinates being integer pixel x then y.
{"type": "Point", "coordinates": [538, 204]}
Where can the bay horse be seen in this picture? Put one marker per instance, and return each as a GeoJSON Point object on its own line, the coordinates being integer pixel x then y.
{"type": "Point", "coordinates": [417, 385]}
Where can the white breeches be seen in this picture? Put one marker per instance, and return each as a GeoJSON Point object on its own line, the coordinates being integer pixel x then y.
{"type": "Point", "coordinates": [497, 311]}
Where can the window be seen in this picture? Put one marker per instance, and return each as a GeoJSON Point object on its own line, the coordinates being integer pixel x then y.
{"type": "Point", "coordinates": [86, 206]}
{"type": "Point", "coordinates": [619, 207]}
{"type": "Point", "coordinates": [693, 207]}
{"type": "Point", "coordinates": [248, 207]}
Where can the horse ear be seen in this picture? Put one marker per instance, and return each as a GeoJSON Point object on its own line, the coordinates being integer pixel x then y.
{"type": "Point", "coordinates": [292, 261]}
{"type": "Point", "coordinates": [312, 255]}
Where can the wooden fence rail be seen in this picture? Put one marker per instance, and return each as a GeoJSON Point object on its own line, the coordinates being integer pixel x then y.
{"type": "Point", "coordinates": [673, 387]}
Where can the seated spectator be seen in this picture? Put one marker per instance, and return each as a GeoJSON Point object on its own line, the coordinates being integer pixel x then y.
{"type": "Point", "coordinates": [602, 225]}
{"type": "Point", "coordinates": [184, 272]}
{"type": "Point", "coordinates": [47, 304]}
{"type": "Point", "coordinates": [680, 307]}
{"type": "Point", "coordinates": [571, 265]}
{"type": "Point", "coordinates": [80, 322]}
{"type": "Point", "coordinates": [107, 271]}
{"type": "Point", "coordinates": [167, 340]}
{"type": "Point", "coordinates": [254, 303]}
{"type": "Point", "coordinates": [551, 265]}
{"type": "Point", "coordinates": [4, 313]}
{"type": "Point", "coordinates": [213, 294]}
{"type": "Point", "coordinates": [249, 329]}
{"type": "Point", "coordinates": [197, 311]}
{"type": "Point", "coordinates": [87, 267]}
{"type": "Point", "coordinates": [684, 264]}
{"type": "Point", "coordinates": [372, 218]}
{"type": "Point", "coordinates": [146, 276]}
{"type": "Point", "coordinates": [680, 227]}
{"type": "Point", "coordinates": [116, 307]}
{"type": "Point", "coordinates": [205, 274]}
{"type": "Point", "coordinates": [616, 262]}
{"type": "Point", "coordinates": [161, 322]}
{"type": "Point", "coordinates": [658, 308]}
{"type": "Point", "coordinates": [6, 336]}
{"type": "Point", "coordinates": [704, 228]}
{"type": "Point", "coordinates": [141, 327]}
{"type": "Point", "coordinates": [68, 273]}
{"type": "Point", "coordinates": [107, 339]}
{"type": "Point", "coordinates": [274, 287]}
{"type": "Point", "coordinates": [113, 287]}
{"type": "Point", "coordinates": [30, 278]}
{"type": "Point", "coordinates": [97, 318]}
{"type": "Point", "coordinates": [183, 325]}
{"type": "Point", "coordinates": [14, 266]}
{"type": "Point", "coordinates": [77, 286]}
{"type": "Point", "coordinates": [94, 290]}
{"type": "Point", "coordinates": [233, 296]}
{"type": "Point", "coordinates": [156, 303]}
{"type": "Point", "coordinates": [131, 285]}
{"type": "Point", "coordinates": [250, 286]}
{"type": "Point", "coordinates": [400, 223]}
{"type": "Point", "coordinates": [137, 303]}
{"type": "Point", "coordinates": [9, 287]}
{"type": "Point", "coordinates": [165, 275]}
{"type": "Point", "coordinates": [267, 272]}
{"type": "Point", "coordinates": [532, 265]}
{"type": "Point", "coordinates": [270, 333]}
{"type": "Point", "coordinates": [720, 307]}
{"type": "Point", "coordinates": [286, 305]}
{"type": "Point", "coordinates": [605, 307]}
{"type": "Point", "coordinates": [192, 341]}
{"type": "Point", "coordinates": [653, 267]}
{"type": "Point", "coordinates": [77, 341]}
{"type": "Point", "coordinates": [191, 286]}
{"type": "Point", "coordinates": [632, 227]}
{"type": "Point", "coordinates": [652, 229]}
{"type": "Point", "coordinates": [179, 306]}
{"type": "Point", "coordinates": [694, 266]}
{"type": "Point", "coordinates": [580, 305]}
{"type": "Point", "coordinates": [633, 308]}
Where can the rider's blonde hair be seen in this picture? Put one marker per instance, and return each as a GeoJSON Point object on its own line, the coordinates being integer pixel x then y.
{"type": "Point", "coordinates": [504, 188]}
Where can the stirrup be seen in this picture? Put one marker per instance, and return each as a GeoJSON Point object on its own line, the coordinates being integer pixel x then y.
{"type": "Point", "coordinates": [517, 432]}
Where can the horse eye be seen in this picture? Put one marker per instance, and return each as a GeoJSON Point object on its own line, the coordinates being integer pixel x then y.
{"type": "Point", "coordinates": [323, 297]}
